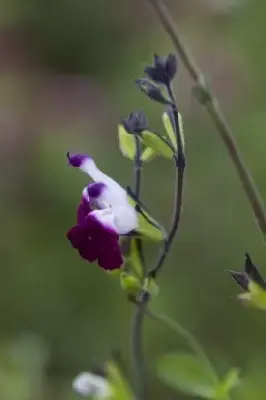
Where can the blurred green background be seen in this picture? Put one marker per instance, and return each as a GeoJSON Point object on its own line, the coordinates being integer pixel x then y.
{"type": "Point", "coordinates": [66, 80]}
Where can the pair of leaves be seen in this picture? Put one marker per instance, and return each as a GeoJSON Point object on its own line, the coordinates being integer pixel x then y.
{"type": "Point", "coordinates": [154, 143]}
{"type": "Point", "coordinates": [185, 372]}
{"type": "Point", "coordinates": [127, 145]}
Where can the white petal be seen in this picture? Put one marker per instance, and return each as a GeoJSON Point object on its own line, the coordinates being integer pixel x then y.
{"type": "Point", "coordinates": [126, 219]}
{"type": "Point", "coordinates": [122, 219]}
{"type": "Point", "coordinates": [106, 218]}
{"type": "Point", "coordinates": [116, 193]}
{"type": "Point", "coordinates": [88, 384]}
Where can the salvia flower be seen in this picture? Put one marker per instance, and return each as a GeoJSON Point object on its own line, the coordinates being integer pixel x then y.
{"type": "Point", "coordinates": [252, 283]}
{"type": "Point", "coordinates": [104, 214]}
{"type": "Point", "coordinates": [163, 70]}
{"type": "Point", "coordinates": [136, 122]}
{"type": "Point", "coordinates": [88, 384]}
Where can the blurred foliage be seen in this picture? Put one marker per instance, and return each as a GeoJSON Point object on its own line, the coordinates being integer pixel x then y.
{"type": "Point", "coordinates": [46, 291]}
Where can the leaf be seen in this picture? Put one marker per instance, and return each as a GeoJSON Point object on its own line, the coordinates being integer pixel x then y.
{"type": "Point", "coordinates": [158, 143]}
{"type": "Point", "coordinates": [121, 388]}
{"type": "Point", "coordinates": [185, 372]}
{"type": "Point", "coordinates": [127, 143]}
{"type": "Point", "coordinates": [148, 154]}
{"type": "Point", "coordinates": [151, 287]}
{"type": "Point", "coordinates": [169, 129]}
{"type": "Point", "coordinates": [255, 297]}
{"type": "Point", "coordinates": [134, 259]}
{"type": "Point", "coordinates": [230, 381]}
{"type": "Point", "coordinates": [148, 226]}
{"type": "Point", "coordinates": [129, 283]}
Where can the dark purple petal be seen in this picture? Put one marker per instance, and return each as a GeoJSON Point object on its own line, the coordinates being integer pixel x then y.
{"type": "Point", "coordinates": [83, 242]}
{"type": "Point", "coordinates": [95, 189]}
{"type": "Point", "coordinates": [110, 257]}
{"type": "Point", "coordinates": [158, 61]}
{"type": "Point", "coordinates": [83, 210]}
{"type": "Point", "coordinates": [241, 278]}
{"type": "Point", "coordinates": [156, 74]}
{"type": "Point", "coordinates": [253, 273]}
{"type": "Point", "coordinates": [76, 160]}
{"type": "Point", "coordinates": [171, 66]}
{"type": "Point", "coordinates": [90, 250]}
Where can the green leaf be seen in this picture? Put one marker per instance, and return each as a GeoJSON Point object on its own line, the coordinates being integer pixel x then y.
{"type": "Point", "coordinates": [169, 129]}
{"type": "Point", "coordinates": [158, 143]}
{"type": "Point", "coordinates": [148, 226]}
{"type": "Point", "coordinates": [127, 143]}
{"type": "Point", "coordinates": [134, 259]}
{"type": "Point", "coordinates": [230, 381]}
{"type": "Point", "coordinates": [129, 283]}
{"type": "Point", "coordinates": [255, 297]}
{"type": "Point", "coordinates": [148, 154]}
{"type": "Point", "coordinates": [121, 388]}
{"type": "Point", "coordinates": [185, 372]}
{"type": "Point", "coordinates": [151, 287]}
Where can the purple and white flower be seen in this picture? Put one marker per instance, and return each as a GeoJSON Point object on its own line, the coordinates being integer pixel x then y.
{"type": "Point", "coordinates": [104, 214]}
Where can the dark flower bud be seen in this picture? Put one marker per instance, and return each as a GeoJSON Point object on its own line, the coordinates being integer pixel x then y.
{"type": "Point", "coordinates": [136, 122]}
{"type": "Point", "coordinates": [251, 273]}
{"type": "Point", "coordinates": [152, 91]}
{"type": "Point", "coordinates": [163, 70]}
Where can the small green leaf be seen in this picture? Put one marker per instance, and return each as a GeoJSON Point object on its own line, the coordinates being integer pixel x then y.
{"type": "Point", "coordinates": [148, 154]}
{"type": "Point", "coordinates": [158, 143]}
{"type": "Point", "coordinates": [255, 297]}
{"type": "Point", "coordinates": [148, 226]}
{"type": "Point", "coordinates": [129, 283]}
{"type": "Point", "coordinates": [134, 259]}
{"type": "Point", "coordinates": [151, 287]}
{"type": "Point", "coordinates": [121, 388]}
{"type": "Point", "coordinates": [185, 372]}
{"type": "Point", "coordinates": [127, 143]}
{"type": "Point", "coordinates": [169, 129]}
{"type": "Point", "coordinates": [230, 381]}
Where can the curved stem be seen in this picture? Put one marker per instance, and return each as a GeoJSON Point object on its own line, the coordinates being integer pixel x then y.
{"type": "Point", "coordinates": [180, 162]}
{"type": "Point", "coordinates": [213, 108]}
{"type": "Point", "coordinates": [191, 340]}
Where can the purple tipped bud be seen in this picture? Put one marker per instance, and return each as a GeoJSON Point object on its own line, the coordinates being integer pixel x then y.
{"type": "Point", "coordinates": [76, 160]}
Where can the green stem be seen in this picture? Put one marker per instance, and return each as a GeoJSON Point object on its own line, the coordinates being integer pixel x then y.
{"type": "Point", "coordinates": [185, 334]}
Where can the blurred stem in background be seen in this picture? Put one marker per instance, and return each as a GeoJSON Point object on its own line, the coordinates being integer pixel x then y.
{"type": "Point", "coordinates": [205, 97]}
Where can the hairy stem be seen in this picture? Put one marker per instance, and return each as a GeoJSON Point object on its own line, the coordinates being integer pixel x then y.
{"type": "Point", "coordinates": [213, 108]}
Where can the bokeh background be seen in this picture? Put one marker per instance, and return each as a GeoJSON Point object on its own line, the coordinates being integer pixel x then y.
{"type": "Point", "coordinates": [66, 80]}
